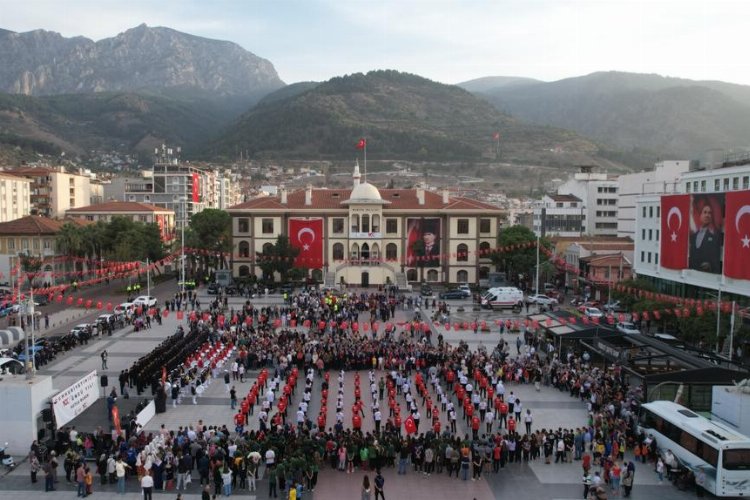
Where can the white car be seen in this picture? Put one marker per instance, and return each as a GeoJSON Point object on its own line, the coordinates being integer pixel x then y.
{"type": "Point", "coordinates": [627, 327]}
{"type": "Point", "coordinates": [593, 312]}
{"type": "Point", "coordinates": [464, 287]}
{"type": "Point", "coordinates": [145, 300]}
{"type": "Point", "coordinates": [78, 330]}
{"type": "Point", "coordinates": [542, 300]}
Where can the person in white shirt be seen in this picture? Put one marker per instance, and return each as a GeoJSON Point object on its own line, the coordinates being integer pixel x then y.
{"type": "Point", "coordinates": [489, 419]}
{"type": "Point", "coordinates": [147, 485]}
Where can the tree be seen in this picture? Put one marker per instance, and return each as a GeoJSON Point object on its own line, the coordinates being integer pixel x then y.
{"type": "Point", "coordinates": [277, 258]}
{"type": "Point", "coordinates": [211, 230]}
{"type": "Point", "coordinates": [519, 256]}
{"type": "Point", "coordinates": [69, 240]}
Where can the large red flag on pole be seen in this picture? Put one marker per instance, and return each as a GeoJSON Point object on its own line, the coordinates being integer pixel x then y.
{"type": "Point", "coordinates": [737, 235]}
{"type": "Point", "coordinates": [362, 144]}
{"type": "Point", "coordinates": [675, 231]}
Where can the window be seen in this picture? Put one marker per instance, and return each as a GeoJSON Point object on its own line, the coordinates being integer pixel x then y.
{"type": "Point", "coordinates": [573, 204]}
{"type": "Point", "coordinates": [244, 249]}
{"type": "Point", "coordinates": [365, 223]}
{"type": "Point", "coordinates": [47, 244]}
{"type": "Point", "coordinates": [687, 187]}
{"type": "Point", "coordinates": [267, 248]}
{"type": "Point", "coordinates": [24, 244]}
{"type": "Point", "coordinates": [463, 226]}
{"type": "Point", "coordinates": [485, 225]}
{"type": "Point", "coordinates": [643, 234]}
{"type": "Point", "coordinates": [338, 225]}
{"type": "Point", "coordinates": [648, 257]}
{"type": "Point", "coordinates": [375, 223]}
{"type": "Point", "coordinates": [717, 185]}
{"type": "Point", "coordinates": [243, 225]}
{"type": "Point", "coordinates": [736, 459]}
{"type": "Point", "coordinates": [338, 250]}
{"type": "Point", "coordinates": [244, 271]}
{"type": "Point", "coordinates": [35, 244]}
{"type": "Point", "coordinates": [657, 235]}
{"type": "Point", "coordinates": [650, 234]}
{"type": "Point", "coordinates": [391, 226]}
{"type": "Point", "coordinates": [746, 182]}
{"type": "Point", "coordinates": [375, 252]}
{"type": "Point", "coordinates": [644, 212]}
{"type": "Point", "coordinates": [558, 204]}
{"type": "Point", "coordinates": [484, 249]}
{"type": "Point", "coordinates": [462, 276]}
{"type": "Point", "coordinates": [354, 253]}
{"type": "Point", "coordinates": [656, 258]}
{"type": "Point", "coordinates": [726, 184]}
{"type": "Point", "coordinates": [432, 275]}
{"type": "Point", "coordinates": [735, 183]}
{"type": "Point", "coordinates": [391, 251]}
{"type": "Point", "coordinates": [695, 186]}
{"type": "Point", "coordinates": [643, 256]}
{"type": "Point", "coordinates": [658, 211]}
{"type": "Point", "coordinates": [650, 212]}
{"type": "Point", "coordinates": [267, 226]}
{"type": "Point", "coordinates": [355, 223]}
{"type": "Point", "coordinates": [411, 275]}
{"type": "Point", "coordinates": [462, 253]}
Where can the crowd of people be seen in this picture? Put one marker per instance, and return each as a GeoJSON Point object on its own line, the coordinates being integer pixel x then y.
{"type": "Point", "coordinates": [312, 336]}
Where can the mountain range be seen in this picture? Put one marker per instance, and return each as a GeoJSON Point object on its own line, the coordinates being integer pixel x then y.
{"type": "Point", "coordinates": [149, 85]}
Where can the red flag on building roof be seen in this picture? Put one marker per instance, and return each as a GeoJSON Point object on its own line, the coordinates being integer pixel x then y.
{"type": "Point", "coordinates": [362, 144]}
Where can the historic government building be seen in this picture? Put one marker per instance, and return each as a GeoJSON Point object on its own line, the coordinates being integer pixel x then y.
{"type": "Point", "coordinates": [366, 236]}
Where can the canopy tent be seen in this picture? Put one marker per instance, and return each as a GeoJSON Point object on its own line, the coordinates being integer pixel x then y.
{"type": "Point", "coordinates": [11, 336]}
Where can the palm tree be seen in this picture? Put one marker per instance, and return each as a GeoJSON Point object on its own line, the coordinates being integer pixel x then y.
{"type": "Point", "coordinates": [69, 241]}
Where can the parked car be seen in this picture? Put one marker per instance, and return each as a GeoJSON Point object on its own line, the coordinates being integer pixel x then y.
{"type": "Point", "coordinates": [542, 300]}
{"type": "Point", "coordinates": [10, 365]}
{"type": "Point", "coordinates": [123, 308]}
{"type": "Point", "coordinates": [82, 331]}
{"type": "Point", "coordinates": [145, 300]}
{"type": "Point", "coordinates": [627, 327]}
{"type": "Point", "coordinates": [593, 312]}
{"type": "Point", "coordinates": [425, 291]}
{"type": "Point", "coordinates": [452, 294]}
{"type": "Point", "coordinates": [213, 289]}
{"type": "Point", "coordinates": [105, 318]}
{"type": "Point", "coordinates": [465, 288]}
{"type": "Point", "coordinates": [614, 306]}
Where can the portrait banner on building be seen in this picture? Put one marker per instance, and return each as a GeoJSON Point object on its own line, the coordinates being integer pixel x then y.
{"type": "Point", "coordinates": [423, 242]}
{"type": "Point", "coordinates": [737, 235]}
{"type": "Point", "coordinates": [706, 232]}
{"type": "Point", "coordinates": [71, 402]}
{"type": "Point", "coordinates": [675, 231]}
{"type": "Point", "coordinates": [307, 236]}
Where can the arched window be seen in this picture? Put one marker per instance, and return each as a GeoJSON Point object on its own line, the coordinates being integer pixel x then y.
{"type": "Point", "coordinates": [484, 249]}
{"type": "Point", "coordinates": [267, 248]}
{"type": "Point", "coordinates": [244, 249]}
{"type": "Point", "coordinates": [365, 223]}
{"type": "Point", "coordinates": [432, 275]}
{"type": "Point", "coordinates": [355, 223]}
{"type": "Point", "coordinates": [484, 273]}
{"type": "Point", "coordinates": [365, 247]}
{"type": "Point", "coordinates": [244, 271]}
{"type": "Point", "coordinates": [411, 275]}
{"type": "Point", "coordinates": [338, 251]}
{"type": "Point", "coordinates": [462, 276]}
{"type": "Point", "coordinates": [375, 223]}
{"type": "Point", "coordinates": [317, 275]}
{"type": "Point", "coordinates": [462, 252]}
{"type": "Point", "coordinates": [375, 253]}
{"type": "Point", "coordinates": [354, 253]}
{"type": "Point", "coordinates": [391, 251]}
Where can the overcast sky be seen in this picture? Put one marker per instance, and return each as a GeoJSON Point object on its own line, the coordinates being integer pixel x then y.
{"type": "Point", "coordinates": [446, 40]}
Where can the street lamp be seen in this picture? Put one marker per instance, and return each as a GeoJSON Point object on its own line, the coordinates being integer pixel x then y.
{"type": "Point", "coordinates": [183, 207]}
{"type": "Point", "coordinates": [30, 266]}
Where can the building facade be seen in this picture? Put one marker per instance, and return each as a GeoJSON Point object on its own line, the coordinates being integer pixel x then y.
{"type": "Point", "coordinates": [648, 258]}
{"type": "Point", "coordinates": [138, 212]}
{"type": "Point", "coordinates": [54, 190]}
{"type": "Point", "coordinates": [365, 236]}
{"type": "Point", "coordinates": [559, 215]}
{"type": "Point", "coordinates": [661, 179]}
{"type": "Point", "coordinates": [15, 197]}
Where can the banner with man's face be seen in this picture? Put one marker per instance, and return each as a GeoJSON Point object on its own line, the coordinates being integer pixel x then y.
{"type": "Point", "coordinates": [423, 241]}
{"type": "Point", "coordinates": [706, 232]}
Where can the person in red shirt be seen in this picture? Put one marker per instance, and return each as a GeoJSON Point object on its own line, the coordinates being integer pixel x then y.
{"type": "Point", "coordinates": [497, 452]}
{"type": "Point", "coordinates": [469, 410]}
{"type": "Point", "coordinates": [503, 414]}
{"type": "Point", "coordinates": [239, 422]}
{"type": "Point", "coordinates": [511, 424]}
{"type": "Point", "coordinates": [475, 427]}
{"type": "Point", "coordinates": [357, 422]}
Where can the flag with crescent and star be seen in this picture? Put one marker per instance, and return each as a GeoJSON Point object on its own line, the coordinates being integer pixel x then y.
{"type": "Point", "coordinates": [737, 235]}
{"type": "Point", "coordinates": [307, 236]}
{"type": "Point", "coordinates": [675, 231]}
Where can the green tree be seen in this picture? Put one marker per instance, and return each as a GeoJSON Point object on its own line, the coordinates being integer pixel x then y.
{"type": "Point", "coordinates": [519, 256]}
{"type": "Point", "coordinates": [69, 241]}
{"type": "Point", "coordinates": [277, 258]}
{"type": "Point", "coordinates": [211, 230]}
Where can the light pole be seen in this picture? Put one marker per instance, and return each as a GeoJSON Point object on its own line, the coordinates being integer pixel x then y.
{"type": "Point", "coordinates": [183, 206]}
{"type": "Point", "coordinates": [30, 266]}
{"type": "Point", "coordinates": [536, 282]}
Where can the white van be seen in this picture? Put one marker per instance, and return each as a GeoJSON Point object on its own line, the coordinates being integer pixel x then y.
{"type": "Point", "coordinates": [502, 298]}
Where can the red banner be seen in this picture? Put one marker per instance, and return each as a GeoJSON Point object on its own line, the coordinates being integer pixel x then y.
{"type": "Point", "coordinates": [675, 231]}
{"type": "Point", "coordinates": [737, 235]}
{"type": "Point", "coordinates": [196, 188]}
{"type": "Point", "coordinates": [307, 236]}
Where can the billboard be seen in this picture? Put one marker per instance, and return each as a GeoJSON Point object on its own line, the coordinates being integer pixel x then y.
{"type": "Point", "coordinates": [307, 236]}
{"type": "Point", "coordinates": [706, 232]}
{"type": "Point", "coordinates": [71, 402]}
{"type": "Point", "coordinates": [423, 238]}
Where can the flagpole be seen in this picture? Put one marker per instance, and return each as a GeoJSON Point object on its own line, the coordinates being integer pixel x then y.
{"type": "Point", "coordinates": [365, 148]}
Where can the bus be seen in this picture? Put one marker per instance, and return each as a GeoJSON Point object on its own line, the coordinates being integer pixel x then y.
{"type": "Point", "coordinates": [699, 443]}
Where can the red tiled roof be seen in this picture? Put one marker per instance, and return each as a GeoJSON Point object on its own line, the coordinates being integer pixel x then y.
{"type": "Point", "coordinates": [607, 260]}
{"type": "Point", "coordinates": [607, 245]}
{"type": "Point", "coordinates": [31, 224]}
{"type": "Point", "coordinates": [119, 206]}
{"type": "Point", "coordinates": [32, 171]}
{"type": "Point", "coordinates": [399, 199]}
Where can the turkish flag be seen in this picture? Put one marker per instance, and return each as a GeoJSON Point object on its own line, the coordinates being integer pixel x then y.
{"type": "Point", "coordinates": [496, 136]}
{"type": "Point", "coordinates": [675, 231]}
{"type": "Point", "coordinates": [737, 235]}
{"type": "Point", "coordinates": [196, 188]}
{"type": "Point", "coordinates": [362, 144]}
{"type": "Point", "coordinates": [307, 236]}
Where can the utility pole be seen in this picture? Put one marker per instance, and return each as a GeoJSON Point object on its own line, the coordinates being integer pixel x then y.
{"type": "Point", "coordinates": [148, 278]}
{"type": "Point", "coordinates": [731, 333]}
{"type": "Point", "coordinates": [718, 318]}
{"type": "Point", "coordinates": [182, 244]}
{"type": "Point", "coordinates": [536, 283]}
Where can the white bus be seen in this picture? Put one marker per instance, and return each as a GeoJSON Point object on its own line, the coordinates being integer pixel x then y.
{"type": "Point", "coordinates": [697, 442]}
